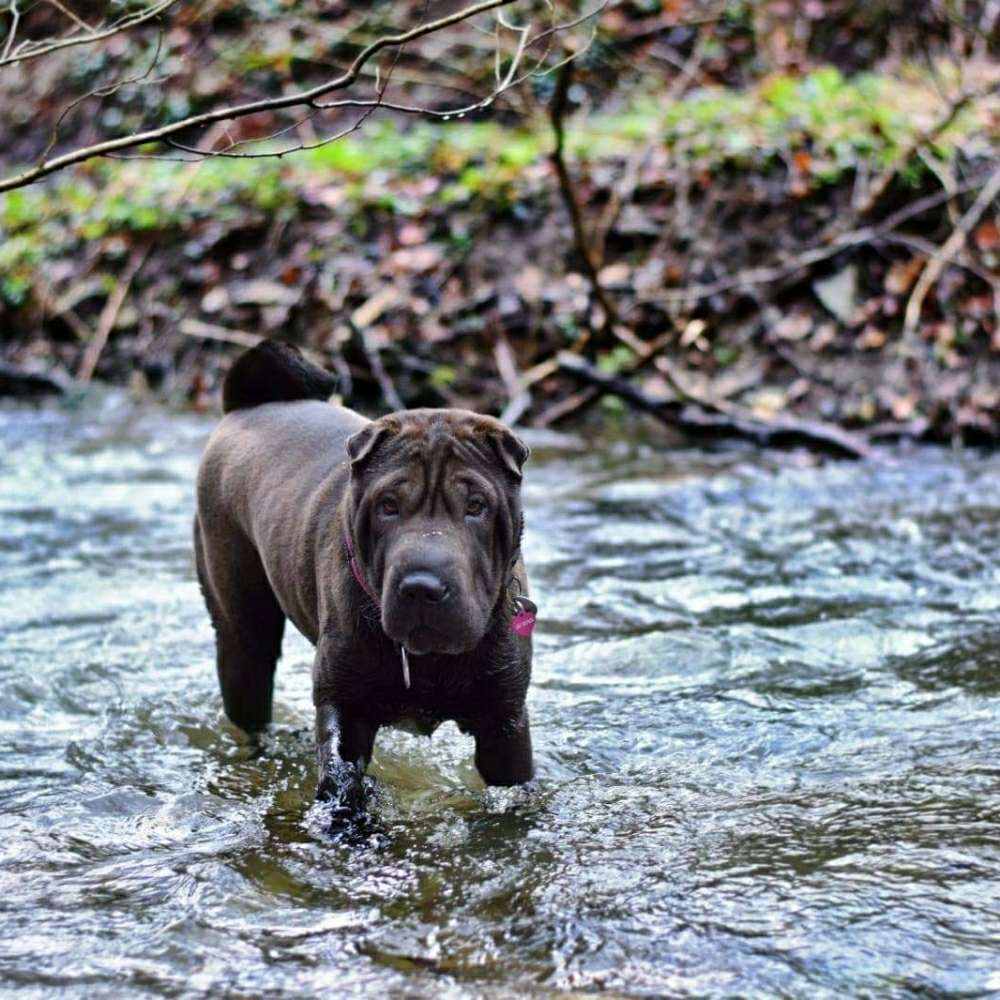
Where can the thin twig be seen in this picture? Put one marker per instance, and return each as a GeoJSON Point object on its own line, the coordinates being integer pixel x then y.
{"type": "Point", "coordinates": [22, 55]}
{"type": "Point", "coordinates": [803, 259]}
{"type": "Point", "coordinates": [949, 249]}
{"type": "Point", "coordinates": [15, 17]}
{"type": "Point", "coordinates": [518, 395]}
{"type": "Point", "coordinates": [109, 314]}
{"type": "Point", "coordinates": [295, 99]}
{"type": "Point", "coordinates": [923, 139]}
{"type": "Point", "coordinates": [53, 309]}
{"type": "Point", "coordinates": [271, 154]}
{"type": "Point", "coordinates": [511, 81]}
{"type": "Point", "coordinates": [374, 356]}
{"type": "Point", "coordinates": [925, 247]}
{"type": "Point", "coordinates": [102, 92]}
{"type": "Point", "coordinates": [75, 18]}
{"type": "Point", "coordinates": [212, 331]}
{"type": "Point", "coordinates": [508, 83]}
{"type": "Point", "coordinates": [557, 111]}
{"type": "Point", "coordinates": [306, 144]}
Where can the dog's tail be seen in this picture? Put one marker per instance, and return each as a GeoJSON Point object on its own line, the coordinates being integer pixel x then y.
{"type": "Point", "coordinates": [274, 372]}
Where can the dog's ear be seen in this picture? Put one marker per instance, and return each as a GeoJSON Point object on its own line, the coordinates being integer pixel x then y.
{"type": "Point", "coordinates": [510, 449]}
{"type": "Point", "coordinates": [361, 446]}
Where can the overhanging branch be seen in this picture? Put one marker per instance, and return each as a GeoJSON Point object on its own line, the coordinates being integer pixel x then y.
{"type": "Point", "coordinates": [306, 98]}
{"type": "Point", "coordinates": [31, 50]}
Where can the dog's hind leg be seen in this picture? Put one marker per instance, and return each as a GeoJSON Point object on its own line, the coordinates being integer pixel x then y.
{"type": "Point", "coordinates": [249, 625]}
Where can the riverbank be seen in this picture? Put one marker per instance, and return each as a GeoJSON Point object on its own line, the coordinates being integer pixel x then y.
{"type": "Point", "coordinates": [746, 255]}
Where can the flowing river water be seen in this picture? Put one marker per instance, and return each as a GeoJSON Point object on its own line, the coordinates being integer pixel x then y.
{"type": "Point", "coordinates": [767, 721]}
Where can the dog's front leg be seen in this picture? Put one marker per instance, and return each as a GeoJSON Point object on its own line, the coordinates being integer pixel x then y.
{"type": "Point", "coordinates": [344, 745]}
{"type": "Point", "coordinates": [503, 750]}
{"type": "Point", "coordinates": [344, 737]}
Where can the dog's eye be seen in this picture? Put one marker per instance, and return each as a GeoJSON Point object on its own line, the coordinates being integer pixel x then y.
{"type": "Point", "coordinates": [389, 506]}
{"type": "Point", "coordinates": [475, 507]}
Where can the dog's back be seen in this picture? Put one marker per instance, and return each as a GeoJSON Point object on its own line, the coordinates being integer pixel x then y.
{"type": "Point", "coordinates": [261, 494]}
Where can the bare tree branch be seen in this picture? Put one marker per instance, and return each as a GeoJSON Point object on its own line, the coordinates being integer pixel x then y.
{"type": "Point", "coordinates": [296, 99]}
{"type": "Point", "coordinates": [949, 249]}
{"type": "Point", "coordinates": [922, 140]}
{"type": "Point", "coordinates": [702, 420]}
{"type": "Point", "coordinates": [226, 152]}
{"type": "Point", "coordinates": [507, 82]}
{"type": "Point", "coordinates": [557, 111]}
{"type": "Point", "coordinates": [797, 262]}
{"type": "Point", "coordinates": [15, 17]}
{"type": "Point", "coordinates": [102, 92]}
{"type": "Point", "coordinates": [75, 18]}
{"type": "Point", "coordinates": [29, 50]}
{"type": "Point", "coordinates": [109, 314]}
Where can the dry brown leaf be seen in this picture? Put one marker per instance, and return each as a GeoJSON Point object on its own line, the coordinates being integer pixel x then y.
{"type": "Point", "coordinates": [871, 338]}
{"type": "Point", "coordinates": [411, 234]}
{"type": "Point", "coordinates": [802, 160]}
{"type": "Point", "coordinates": [903, 407]}
{"type": "Point", "coordinates": [794, 326]}
{"type": "Point", "coordinates": [902, 274]}
{"type": "Point", "coordinates": [987, 236]}
{"type": "Point", "coordinates": [614, 275]}
{"type": "Point", "coordinates": [692, 332]}
{"type": "Point", "coordinates": [530, 284]}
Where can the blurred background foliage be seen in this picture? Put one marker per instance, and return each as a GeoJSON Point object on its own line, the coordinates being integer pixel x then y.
{"type": "Point", "coordinates": [760, 188]}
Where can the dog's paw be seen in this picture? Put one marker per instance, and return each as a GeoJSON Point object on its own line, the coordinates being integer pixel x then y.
{"type": "Point", "coordinates": [356, 829]}
{"type": "Point", "coordinates": [347, 814]}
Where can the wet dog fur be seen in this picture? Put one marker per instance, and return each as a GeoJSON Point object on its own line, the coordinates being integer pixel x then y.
{"type": "Point", "coordinates": [427, 504]}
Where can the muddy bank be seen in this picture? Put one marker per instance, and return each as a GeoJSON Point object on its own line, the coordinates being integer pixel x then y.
{"type": "Point", "coordinates": [418, 299]}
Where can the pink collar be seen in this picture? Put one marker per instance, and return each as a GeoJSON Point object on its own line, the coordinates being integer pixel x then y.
{"type": "Point", "coordinates": [356, 570]}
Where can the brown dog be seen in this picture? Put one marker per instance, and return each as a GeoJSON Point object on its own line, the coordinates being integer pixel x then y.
{"type": "Point", "coordinates": [393, 545]}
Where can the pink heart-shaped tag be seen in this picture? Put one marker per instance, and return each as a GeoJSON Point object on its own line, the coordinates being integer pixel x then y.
{"type": "Point", "coordinates": [523, 623]}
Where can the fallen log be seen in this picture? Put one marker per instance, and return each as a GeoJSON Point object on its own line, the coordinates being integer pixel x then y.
{"type": "Point", "coordinates": [697, 421]}
{"type": "Point", "coordinates": [23, 384]}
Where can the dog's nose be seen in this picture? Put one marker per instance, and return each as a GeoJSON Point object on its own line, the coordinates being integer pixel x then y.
{"type": "Point", "coordinates": [423, 587]}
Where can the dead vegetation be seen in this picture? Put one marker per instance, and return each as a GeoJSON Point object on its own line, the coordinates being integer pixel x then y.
{"type": "Point", "coordinates": [722, 214]}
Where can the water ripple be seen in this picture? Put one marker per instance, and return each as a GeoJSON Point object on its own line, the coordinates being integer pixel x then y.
{"type": "Point", "coordinates": [766, 720]}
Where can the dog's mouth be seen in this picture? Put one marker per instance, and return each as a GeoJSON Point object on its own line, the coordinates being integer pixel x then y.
{"type": "Point", "coordinates": [424, 639]}
{"type": "Point", "coordinates": [448, 628]}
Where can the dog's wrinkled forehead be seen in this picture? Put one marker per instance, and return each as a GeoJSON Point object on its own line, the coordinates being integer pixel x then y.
{"type": "Point", "coordinates": [433, 436]}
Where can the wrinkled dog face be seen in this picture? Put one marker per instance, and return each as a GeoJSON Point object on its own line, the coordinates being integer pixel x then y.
{"type": "Point", "coordinates": [436, 516]}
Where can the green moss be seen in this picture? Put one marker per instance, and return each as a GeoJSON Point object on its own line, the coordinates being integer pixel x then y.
{"type": "Point", "coordinates": [443, 376]}
{"type": "Point", "coordinates": [837, 121]}
{"type": "Point", "coordinates": [346, 156]}
{"type": "Point", "coordinates": [616, 360]}
{"type": "Point", "coordinates": [20, 256]}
